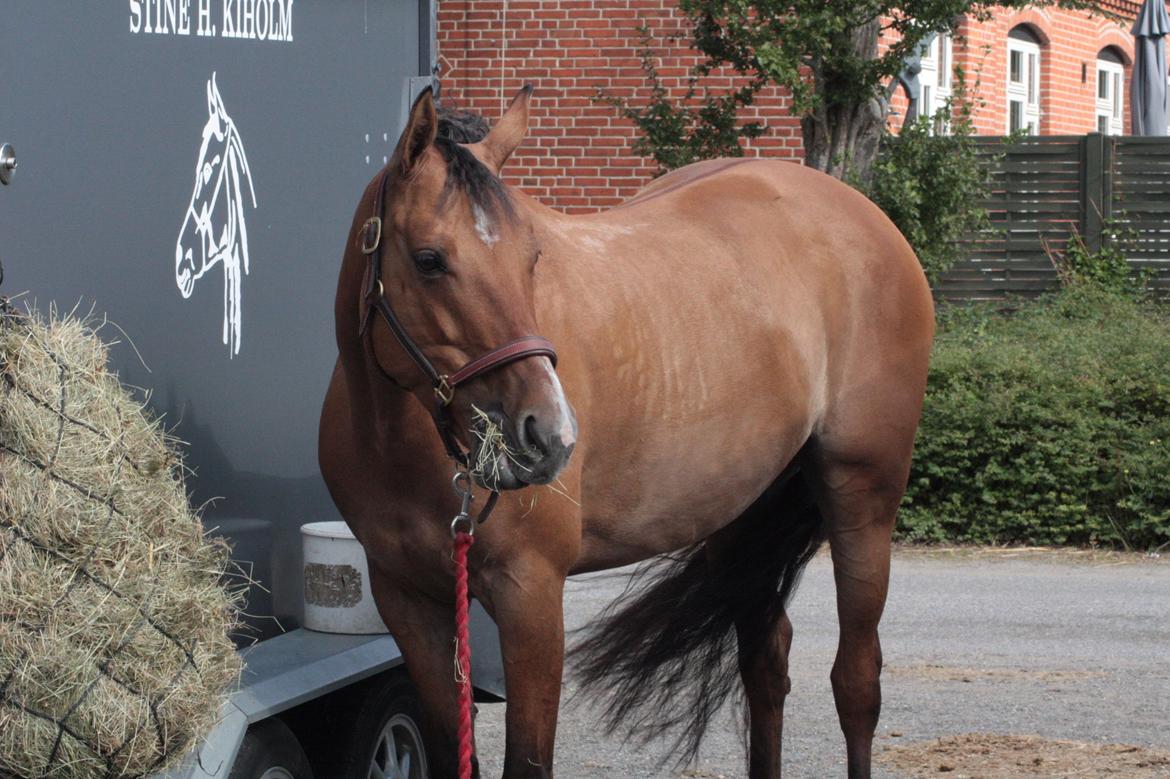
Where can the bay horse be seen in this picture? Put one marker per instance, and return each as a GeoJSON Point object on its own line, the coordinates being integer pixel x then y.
{"type": "Point", "coordinates": [743, 353]}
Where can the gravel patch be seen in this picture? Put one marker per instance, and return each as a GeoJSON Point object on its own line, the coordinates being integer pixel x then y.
{"type": "Point", "coordinates": [1044, 645]}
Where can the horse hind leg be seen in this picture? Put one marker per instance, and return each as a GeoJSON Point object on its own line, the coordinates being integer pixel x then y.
{"type": "Point", "coordinates": [859, 497]}
{"type": "Point", "coordinates": [764, 633]}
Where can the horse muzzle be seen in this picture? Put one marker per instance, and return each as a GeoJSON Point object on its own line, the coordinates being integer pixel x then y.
{"type": "Point", "coordinates": [530, 449]}
{"type": "Point", "coordinates": [184, 270]}
{"type": "Point", "coordinates": [547, 444]}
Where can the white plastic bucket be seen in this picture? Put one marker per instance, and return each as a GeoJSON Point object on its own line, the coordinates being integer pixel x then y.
{"type": "Point", "coordinates": [336, 582]}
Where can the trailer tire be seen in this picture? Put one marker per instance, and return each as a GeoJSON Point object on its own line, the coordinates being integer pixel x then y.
{"type": "Point", "coordinates": [388, 721]}
{"type": "Point", "coordinates": [271, 751]}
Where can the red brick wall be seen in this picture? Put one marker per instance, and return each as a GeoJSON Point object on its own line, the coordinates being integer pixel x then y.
{"type": "Point", "coordinates": [1068, 41]}
{"type": "Point", "coordinates": [578, 155]}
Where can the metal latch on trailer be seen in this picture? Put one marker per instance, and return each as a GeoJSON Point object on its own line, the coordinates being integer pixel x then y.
{"type": "Point", "coordinates": [7, 163]}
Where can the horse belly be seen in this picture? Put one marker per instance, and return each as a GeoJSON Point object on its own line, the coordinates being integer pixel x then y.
{"type": "Point", "coordinates": [687, 436]}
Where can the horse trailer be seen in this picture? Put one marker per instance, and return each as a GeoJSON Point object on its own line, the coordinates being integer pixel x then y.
{"type": "Point", "coordinates": [189, 169]}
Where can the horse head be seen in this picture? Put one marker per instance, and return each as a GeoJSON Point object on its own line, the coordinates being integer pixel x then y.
{"type": "Point", "coordinates": [459, 259]}
{"type": "Point", "coordinates": [214, 230]}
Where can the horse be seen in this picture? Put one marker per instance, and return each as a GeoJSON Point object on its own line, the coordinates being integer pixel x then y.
{"type": "Point", "coordinates": [741, 358]}
{"type": "Point", "coordinates": [215, 215]}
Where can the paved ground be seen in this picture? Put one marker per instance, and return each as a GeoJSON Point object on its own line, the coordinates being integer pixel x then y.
{"type": "Point", "coordinates": [1050, 644]}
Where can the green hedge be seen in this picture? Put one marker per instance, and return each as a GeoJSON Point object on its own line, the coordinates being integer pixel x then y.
{"type": "Point", "coordinates": [1047, 426]}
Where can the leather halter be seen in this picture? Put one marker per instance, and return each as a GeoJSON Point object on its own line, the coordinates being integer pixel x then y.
{"type": "Point", "coordinates": [444, 385]}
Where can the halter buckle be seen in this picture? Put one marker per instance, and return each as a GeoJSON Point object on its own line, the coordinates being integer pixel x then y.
{"type": "Point", "coordinates": [444, 391]}
{"type": "Point", "coordinates": [369, 246]}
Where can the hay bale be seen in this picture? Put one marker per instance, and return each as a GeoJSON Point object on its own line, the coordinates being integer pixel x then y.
{"type": "Point", "coordinates": [114, 655]}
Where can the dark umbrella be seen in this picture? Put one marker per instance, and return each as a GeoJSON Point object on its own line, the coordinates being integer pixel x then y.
{"type": "Point", "coordinates": [1148, 90]}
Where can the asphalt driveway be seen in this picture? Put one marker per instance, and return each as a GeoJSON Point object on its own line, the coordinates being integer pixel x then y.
{"type": "Point", "coordinates": [1056, 645]}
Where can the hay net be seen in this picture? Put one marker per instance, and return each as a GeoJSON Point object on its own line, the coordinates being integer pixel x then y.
{"type": "Point", "coordinates": [114, 655]}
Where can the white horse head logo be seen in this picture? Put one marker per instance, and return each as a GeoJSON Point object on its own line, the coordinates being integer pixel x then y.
{"type": "Point", "coordinates": [214, 230]}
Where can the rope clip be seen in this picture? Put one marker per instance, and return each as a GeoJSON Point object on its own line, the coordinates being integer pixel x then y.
{"type": "Point", "coordinates": [462, 523]}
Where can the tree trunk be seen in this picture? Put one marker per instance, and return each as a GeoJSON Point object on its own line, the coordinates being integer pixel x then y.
{"type": "Point", "coordinates": [841, 138]}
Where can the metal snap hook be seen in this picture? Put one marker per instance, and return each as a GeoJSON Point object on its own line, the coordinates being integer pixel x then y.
{"type": "Point", "coordinates": [463, 523]}
{"type": "Point", "coordinates": [461, 483]}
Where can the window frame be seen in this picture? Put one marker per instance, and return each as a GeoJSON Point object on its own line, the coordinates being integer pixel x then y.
{"type": "Point", "coordinates": [936, 78]}
{"type": "Point", "coordinates": [1111, 107]}
{"type": "Point", "coordinates": [1027, 90]}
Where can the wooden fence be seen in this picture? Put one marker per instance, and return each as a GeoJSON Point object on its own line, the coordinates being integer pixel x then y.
{"type": "Point", "coordinates": [1045, 189]}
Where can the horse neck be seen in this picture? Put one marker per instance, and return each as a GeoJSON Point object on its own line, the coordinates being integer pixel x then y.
{"type": "Point", "coordinates": [347, 308]}
{"type": "Point", "coordinates": [376, 407]}
{"type": "Point", "coordinates": [565, 253]}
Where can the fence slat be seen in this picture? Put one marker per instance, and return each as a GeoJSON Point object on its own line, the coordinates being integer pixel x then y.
{"type": "Point", "coordinates": [1044, 189]}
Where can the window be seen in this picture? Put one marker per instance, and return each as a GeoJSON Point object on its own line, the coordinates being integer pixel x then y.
{"type": "Point", "coordinates": [936, 77]}
{"type": "Point", "coordinates": [1023, 82]}
{"type": "Point", "coordinates": [1110, 92]}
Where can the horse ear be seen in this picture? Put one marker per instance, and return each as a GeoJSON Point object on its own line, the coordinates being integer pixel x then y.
{"type": "Point", "coordinates": [507, 133]}
{"type": "Point", "coordinates": [420, 132]}
{"type": "Point", "coordinates": [212, 96]}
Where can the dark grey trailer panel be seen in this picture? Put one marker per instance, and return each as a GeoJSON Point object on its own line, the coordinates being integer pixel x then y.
{"type": "Point", "coordinates": [298, 102]}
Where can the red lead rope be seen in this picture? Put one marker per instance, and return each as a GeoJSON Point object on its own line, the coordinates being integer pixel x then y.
{"type": "Point", "coordinates": [460, 545]}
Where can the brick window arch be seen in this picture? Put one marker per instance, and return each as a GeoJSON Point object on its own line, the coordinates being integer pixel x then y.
{"type": "Point", "coordinates": [1024, 64]}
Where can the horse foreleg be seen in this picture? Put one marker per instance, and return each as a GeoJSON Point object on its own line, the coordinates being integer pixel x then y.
{"type": "Point", "coordinates": [424, 630]}
{"type": "Point", "coordinates": [526, 603]}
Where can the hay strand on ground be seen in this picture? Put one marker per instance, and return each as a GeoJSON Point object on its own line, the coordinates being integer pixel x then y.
{"type": "Point", "coordinates": [1016, 756]}
{"type": "Point", "coordinates": [114, 655]}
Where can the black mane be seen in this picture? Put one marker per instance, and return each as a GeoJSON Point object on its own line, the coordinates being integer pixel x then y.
{"type": "Point", "coordinates": [483, 188]}
{"type": "Point", "coordinates": [462, 126]}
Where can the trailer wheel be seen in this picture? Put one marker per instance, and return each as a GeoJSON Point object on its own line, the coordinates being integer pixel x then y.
{"type": "Point", "coordinates": [386, 739]}
{"type": "Point", "coordinates": [271, 751]}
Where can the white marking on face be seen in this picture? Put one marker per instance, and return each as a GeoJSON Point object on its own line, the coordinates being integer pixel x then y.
{"type": "Point", "coordinates": [565, 424]}
{"type": "Point", "coordinates": [484, 227]}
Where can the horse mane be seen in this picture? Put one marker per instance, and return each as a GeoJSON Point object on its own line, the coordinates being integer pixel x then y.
{"type": "Point", "coordinates": [465, 173]}
{"type": "Point", "coordinates": [239, 173]}
{"type": "Point", "coordinates": [461, 126]}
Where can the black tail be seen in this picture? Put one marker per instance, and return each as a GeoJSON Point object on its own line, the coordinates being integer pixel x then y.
{"type": "Point", "coordinates": [664, 652]}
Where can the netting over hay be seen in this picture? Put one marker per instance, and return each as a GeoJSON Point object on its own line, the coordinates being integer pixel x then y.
{"type": "Point", "coordinates": [114, 654]}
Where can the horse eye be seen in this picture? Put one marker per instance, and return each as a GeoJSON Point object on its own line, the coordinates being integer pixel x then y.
{"type": "Point", "coordinates": [206, 172]}
{"type": "Point", "coordinates": [430, 263]}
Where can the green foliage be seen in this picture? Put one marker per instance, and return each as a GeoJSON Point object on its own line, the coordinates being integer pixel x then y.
{"type": "Point", "coordinates": [932, 186]}
{"type": "Point", "coordinates": [1106, 266]}
{"type": "Point", "coordinates": [824, 52]}
{"type": "Point", "coordinates": [784, 41]}
{"type": "Point", "coordinates": [678, 132]}
{"type": "Point", "coordinates": [1048, 426]}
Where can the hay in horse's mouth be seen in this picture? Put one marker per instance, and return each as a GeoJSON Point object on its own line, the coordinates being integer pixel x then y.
{"type": "Point", "coordinates": [492, 451]}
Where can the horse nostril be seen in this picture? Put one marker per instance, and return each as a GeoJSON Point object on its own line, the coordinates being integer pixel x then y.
{"type": "Point", "coordinates": [530, 437]}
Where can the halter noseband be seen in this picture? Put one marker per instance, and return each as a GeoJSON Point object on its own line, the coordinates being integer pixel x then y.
{"type": "Point", "coordinates": [442, 384]}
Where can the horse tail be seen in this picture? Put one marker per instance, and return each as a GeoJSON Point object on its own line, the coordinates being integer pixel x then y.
{"type": "Point", "coordinates": [663, 655]}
